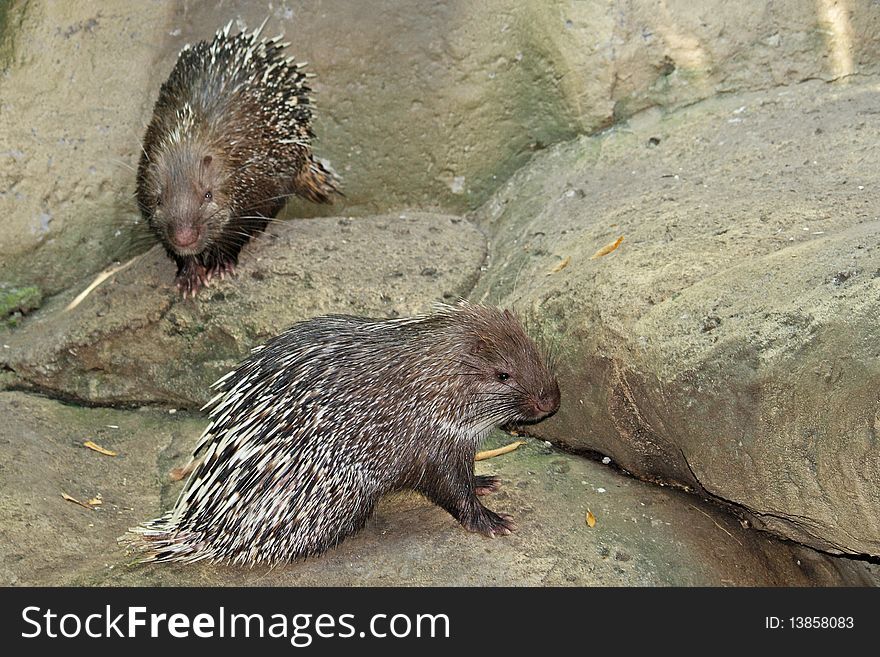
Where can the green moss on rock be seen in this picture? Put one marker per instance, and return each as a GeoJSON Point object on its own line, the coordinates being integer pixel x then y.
{"type": "Point", "coordinates": [18, 301]}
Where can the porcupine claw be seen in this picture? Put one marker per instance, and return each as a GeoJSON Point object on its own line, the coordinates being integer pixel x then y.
{"type": "Point", "coordinates": [195, 277]}
{"type": "Point", "coordinates": [227, 268]}
{"type": "Point", "coordinates": [497, 524]}
{"type": "Point", "coordinates": [220, 270]}
{"type": "Point", "coordinates": [489, 523]}
{"type": "Point", "coordinates": [191, 279]}
{"type": "Point", "coordinates": [506, 527]}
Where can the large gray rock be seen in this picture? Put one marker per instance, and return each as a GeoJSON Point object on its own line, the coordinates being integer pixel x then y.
{"type": "Point", "coordinates": [730, 344]}
{"type": "Point", "coordinates": [73, 112]}
{"type": "Point", "coordinates": [644, 535]}
{"type": "Point", "coordinates": [420, 104]}
{"type": "Point", "coordinates": [133, 340]}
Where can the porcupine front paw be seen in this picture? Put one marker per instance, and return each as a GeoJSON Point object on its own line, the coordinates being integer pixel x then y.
{"type": "Point", "coordinates": [191, 279]}
{"type": "Point", "coordinates": [490, 523]}
{"type": "Point", "coordinates": [221, 269]}
{"type": "Point", "coordinates": [485, 484]}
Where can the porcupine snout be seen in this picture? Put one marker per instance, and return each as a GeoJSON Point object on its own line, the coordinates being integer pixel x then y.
{"type": "Point", "coordinates": [546, 403]}
{"type": "Point", "coordinates": [184, 236]}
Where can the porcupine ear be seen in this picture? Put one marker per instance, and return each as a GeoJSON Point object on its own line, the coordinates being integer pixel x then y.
{"type": "Point", "coordinates": [478, 345]}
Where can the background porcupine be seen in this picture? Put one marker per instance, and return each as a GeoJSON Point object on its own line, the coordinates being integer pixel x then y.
{"type": "Point", "coordinates": [317, 424]}
{"type": "Point", "coordinates": [228, 143]}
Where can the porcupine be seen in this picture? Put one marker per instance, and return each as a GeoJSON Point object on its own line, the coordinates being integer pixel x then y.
{"type": "Point", "coordinates": [316, 425]}
{"type": "Point", "coordinates": [228, 143]}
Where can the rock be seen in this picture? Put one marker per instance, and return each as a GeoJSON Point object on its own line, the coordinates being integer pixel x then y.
{"type": "Point", "coordinates": [729, 344]}
{"type": "Point", "coordinates": [134, 341]}
{"type": "Point", "coordinates": [430, 105]}
{"type": "Point", "coordinates": [74, 109]}
{"type": "Point", "coordinates": [47, 539]}
{"type": "Point", "coordinates": [644, 535]}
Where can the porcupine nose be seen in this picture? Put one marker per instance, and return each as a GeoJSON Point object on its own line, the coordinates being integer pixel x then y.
{"type": "Point", "coordinates": [548, 402]}
{"type": "Point", "coordinates": [184, 236]}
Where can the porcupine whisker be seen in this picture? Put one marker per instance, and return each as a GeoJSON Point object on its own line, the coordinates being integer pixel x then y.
{"type": "Point", "coordinates": [262, 217]}
{"type": "Point", "coordinates": [497, 412]}
{"type": "Point", "coordinates": [553, 357]}
{"type": "Point", "coordinates": [229, 232]}
{"type": "Point", "coordinates": [516, 278]}
{"type": "Point", "coordinates": [444, 377]}
{"type": "Point", "coordinates": [493, 412]}
{"type": "Point", "coordinates": [482, 405]}
{"type": "Point", "coordinates": [147, 159]}
{"type": "Point", "coordinates": [516, 386]}
{"type": "Point", "coordinates": [485, 398]}
{"type": "Point", "coordinates": [230, 235]}
{"type": "Point", "coordinates": [244, 166]}
{"type": "Point", "coordinates": [232, 241]}
{"type": "Point", "coordinates": [471, 365]}
{"type": "Point", "coordinates": [500, 403]}
{"type": "Point", "coordinates": [268, 220]}
{"type": "Point", "coordinates": [122, 163]}
{"type": "Point", "coordinates": [492, 393]}
{"type": "Point", "coordinates": [268, 199]}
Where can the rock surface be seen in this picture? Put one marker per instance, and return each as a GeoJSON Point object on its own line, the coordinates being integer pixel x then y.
{"type": "Point", "coordinates": [730, 344]}
{"type": "Point", "coordinates": [644, 535]}
{"type": "Point", "coordinates": [420, 104]}
{"type": "Point", "coordinates": [133, 340]}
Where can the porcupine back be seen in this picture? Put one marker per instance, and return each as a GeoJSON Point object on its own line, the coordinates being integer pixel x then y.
{"type": "Point", "coordinates": [233, 122]}
{"type": "Point", "coordinates": [310, 430]}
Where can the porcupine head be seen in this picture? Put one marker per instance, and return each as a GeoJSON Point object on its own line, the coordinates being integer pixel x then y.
{"type": "Point", "coordinates": [192, 205]}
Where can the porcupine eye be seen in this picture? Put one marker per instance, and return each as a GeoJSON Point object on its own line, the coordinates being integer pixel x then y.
{"type": "Point", "coordinates": [208, 195]}
{"type": "Point", "coordinates": [502, 376]}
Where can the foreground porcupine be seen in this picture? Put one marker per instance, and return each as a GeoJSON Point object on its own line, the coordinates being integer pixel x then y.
{"type": "Point", "coordinates": [229, 142]}
{"type": "Point", "coordinates": [316, 425]}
